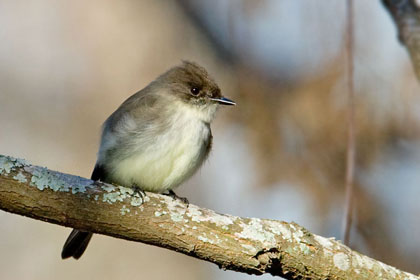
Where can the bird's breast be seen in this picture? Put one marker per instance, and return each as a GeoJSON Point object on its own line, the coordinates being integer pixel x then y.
{"type": "Point", "coordinates": [171, 158]}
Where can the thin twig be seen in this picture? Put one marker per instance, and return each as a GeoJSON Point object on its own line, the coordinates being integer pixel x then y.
{"type": "Point", "coordinates": [348, 211]}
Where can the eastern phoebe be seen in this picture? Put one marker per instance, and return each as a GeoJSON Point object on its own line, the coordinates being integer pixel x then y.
{"type": "Point", "coordinates": [157, 138]}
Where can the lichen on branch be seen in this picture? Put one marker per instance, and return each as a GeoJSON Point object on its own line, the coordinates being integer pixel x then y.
{"type": "Point", "coordinates": [250, 245]}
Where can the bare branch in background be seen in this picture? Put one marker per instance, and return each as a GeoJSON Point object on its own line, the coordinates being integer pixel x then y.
{"type": "Point", "coordinates": [406, 15]}
{"type": "Point", "coordinates": [351, 152]}
{"type": "Point", "coordinates": [249, 245]}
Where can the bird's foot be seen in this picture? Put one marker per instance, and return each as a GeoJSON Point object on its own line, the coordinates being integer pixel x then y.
{"type": "Point", "coordinates": [172, 194]}
{"type": "Point", "coordinates": [139, 192]}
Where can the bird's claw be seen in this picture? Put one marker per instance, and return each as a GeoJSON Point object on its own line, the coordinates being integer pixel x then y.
{"type": "Point", "coordinates": [139, 192]}
{"type": "Point", "coordinates": [184, 200]}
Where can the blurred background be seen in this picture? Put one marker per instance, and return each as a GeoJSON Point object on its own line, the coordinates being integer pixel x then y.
{"type": "Point", "coordinates": [280, 153]}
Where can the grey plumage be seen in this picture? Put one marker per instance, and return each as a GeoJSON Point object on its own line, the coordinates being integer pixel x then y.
{"type": "Point", "coordinates": [158, 137]}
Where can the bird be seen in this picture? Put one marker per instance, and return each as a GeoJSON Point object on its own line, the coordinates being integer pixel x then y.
{"type": "Point", "coordinates": [157, 138]}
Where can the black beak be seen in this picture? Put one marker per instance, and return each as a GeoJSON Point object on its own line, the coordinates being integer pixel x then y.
{"type": "Point", "coordinates": [224, 101]}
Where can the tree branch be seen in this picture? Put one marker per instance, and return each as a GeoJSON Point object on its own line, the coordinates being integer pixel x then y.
{"type": "Point", "coordinates": [250, 245]}
{"type": "Point", "coordinates": [406, 15]}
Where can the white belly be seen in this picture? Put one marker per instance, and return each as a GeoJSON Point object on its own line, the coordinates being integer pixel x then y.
{"type": "Point", "coordinates": [173, 158]}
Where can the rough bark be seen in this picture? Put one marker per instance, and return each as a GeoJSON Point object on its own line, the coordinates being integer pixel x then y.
{"type": "Point", "coordinates": [406, 16]}
{"type": "Point", "coordinates": [250, 245]}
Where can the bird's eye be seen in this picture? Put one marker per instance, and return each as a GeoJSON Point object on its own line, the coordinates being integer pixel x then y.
{"type": "Point", "coordinates": [195, 90]}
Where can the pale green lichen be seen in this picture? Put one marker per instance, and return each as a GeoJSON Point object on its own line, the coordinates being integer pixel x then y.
{"type": "Point", "coordinates": [194, 213]}
{"type": "Point", "coordinates": [324, 242]}
{"type": "Point", "coordinates": [42, 178]}
{"type": "Point", "coordinates": [112, 197]}
{"type": "Point", "coordinates": [158, 214]}
{"type": "Point", "coordinates": [305, 249]}
{"type": "Point", "coordinates": [176, 209]}
{"type": "Point", "coordinates": [391, 270]}
{"type": "Point", "coordinates": [249, 249]}
{"type": "Point", "coordinates": [279, 229]}
{"type": "Point", "coordinates": [126, 191]}
{"type": "Point", "coordinates": [20, 177]}
{"type": "Point", "coordinates": [205, 239]}
{"type": "Point", "coordinates": [177, 217]}
{"type": "Point", "coordinates": [179, 211]}
{"type": "Point", "coordinates": [341, 261]}
{"type": "Point", "coordinates": [108, 187]}
{"type": "Point", "coordinates": [362, 261]}
{"type": "Point", "coordinates": [327, 244]}
{"type": "Point", "coordinates": [198, 216]}
{"type": "Point", "coordinates": [410, 277]}
{"type": "Point", "coordinates": [290, 250]}
{"type": "Point", "coordinates": [8, 164]}
{"type": "Point", "coordinates": [255, 231]}
{"type": "Point", "coordinates": [120, 193]}
{"type": "Point", "coordinates": [297, 235]}
{"type": "Point", "coordinates": [136, 201]}
{"type": "Point", "coordinates": [124, 210]}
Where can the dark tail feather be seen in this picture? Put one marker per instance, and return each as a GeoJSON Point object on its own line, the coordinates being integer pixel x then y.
{"type": "Point", "coordinates": [78, 241]}
{"type": "Point", "coordinates": [76, 244]}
